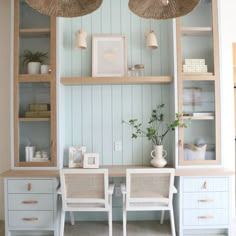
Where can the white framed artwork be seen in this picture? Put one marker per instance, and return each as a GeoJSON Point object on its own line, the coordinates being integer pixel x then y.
{"type": "Point", "coordinates": [109, 56]}
{"type": "Point", "coordinates": [76, 156]}
{"type": "Point", "coordinates": [91, 160]}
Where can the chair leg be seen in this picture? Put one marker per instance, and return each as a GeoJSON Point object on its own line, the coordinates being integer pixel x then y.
{"type": "Point", "coordinates": [162, 217]}
{"type": "Point", "coordinates": [62, 223]}
{"type": "Point", "coordinates": [72, 218]}
{"type": "Point", "coordinates": [172, 222]}
{"type": "Point", "coordinates": [110, 222]}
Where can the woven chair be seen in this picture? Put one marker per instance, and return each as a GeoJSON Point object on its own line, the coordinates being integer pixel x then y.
{"type": "Point", "coordinates": [85, 190]}
{"type": "Point", "coordinates": [149, 190]}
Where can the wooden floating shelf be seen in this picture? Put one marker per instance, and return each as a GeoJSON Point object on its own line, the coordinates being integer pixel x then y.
{"type": "Point", "coordinates": [196, 31]}
{"type": "Point", "coordinates": [35, 33]}
{"type": "Point", "coordinates": [33, 119]}
{"type": "Point", "coordinates": [34, 78]}
{"type": "Point", "coordinates": [198, 76]}
{"type": "Point", "coordinates": [115, 80]}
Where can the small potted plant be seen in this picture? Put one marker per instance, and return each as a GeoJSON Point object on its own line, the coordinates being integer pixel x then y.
{"type": "Point", "coordinates": [33, 60]}
{"type": "Point", "coordinates": [156, 131]}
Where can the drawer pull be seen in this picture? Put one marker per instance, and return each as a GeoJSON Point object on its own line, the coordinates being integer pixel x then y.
{"type": "Point", "coordinates": [29, 187]}
{"type": "Point", "coordinates": [206, 200]}
{"type": "Point", "coordinates": [205, 185]}
{"type": "Point", "coordinates": [205, 217]}
{"type": "Point", "coordinates": [30, 219]}
{"type": "Point", "coordinates": [30, 202]}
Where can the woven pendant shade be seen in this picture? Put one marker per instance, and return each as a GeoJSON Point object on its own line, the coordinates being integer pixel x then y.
{"type": "Point", "coordinates": [162, 9]}
{"type": "Point", "coordinates": [65, 8]}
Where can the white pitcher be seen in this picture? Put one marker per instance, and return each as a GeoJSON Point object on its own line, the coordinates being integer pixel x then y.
{"type": "Point", "coordinates": [159, 157]}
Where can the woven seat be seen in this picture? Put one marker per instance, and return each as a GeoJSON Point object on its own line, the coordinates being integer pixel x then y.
{"type": "Point", "coordinates": [162, 9]}
{"type": "Point", "coordinates": [65, 8]}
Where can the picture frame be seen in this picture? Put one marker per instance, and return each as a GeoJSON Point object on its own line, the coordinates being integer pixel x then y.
{"type": "Point", "coordinates": [109, 56]}
{"type": "Point", "coordinates": [76, 156]}
{"type": "Point", "coordinates": [91, 160]}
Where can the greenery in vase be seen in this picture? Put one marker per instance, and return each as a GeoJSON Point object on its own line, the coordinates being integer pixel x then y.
{"type": "Point", "coordinates": [157, 128]}
{"type": "Point", "coordinates": [29, 56]}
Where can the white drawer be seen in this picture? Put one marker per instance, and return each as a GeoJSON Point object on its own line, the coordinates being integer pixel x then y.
{"type": "Point", "coordinates": [206, 200]}
{"type": "Point", "coordinates": [30, 202]}
{"type": "Point", "coordinates": [204, 217]}
{"type": "Point", "coordinates": [30, 186]}
{"type": "Point", "coordinates": [206, 184]}
{"type": "Point", "coordinates": [30, 219]}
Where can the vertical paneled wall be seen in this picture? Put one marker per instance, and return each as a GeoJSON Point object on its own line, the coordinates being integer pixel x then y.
{"type": "Point", "coordinates": [114, 17]}
{"type": "Point", "coordinates": [94, 114]}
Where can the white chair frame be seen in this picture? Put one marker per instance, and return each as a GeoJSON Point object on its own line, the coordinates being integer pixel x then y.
{"type": "Point", "coordinates": [165, 203]}
{"type": "Point", "coordinates": [106, 202]}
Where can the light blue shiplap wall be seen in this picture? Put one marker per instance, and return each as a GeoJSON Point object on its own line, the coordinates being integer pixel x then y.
{"type": "Point", "coordinates": [94, 114]}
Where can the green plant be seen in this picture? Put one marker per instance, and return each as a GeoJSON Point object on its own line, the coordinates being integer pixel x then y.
{"type": "Point", "coordinates": [29, 56]}
{"type": "Point", "coordinates": [156, 129]}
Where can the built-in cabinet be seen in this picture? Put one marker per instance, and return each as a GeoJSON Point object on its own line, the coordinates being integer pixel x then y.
{"type": "Point", "coordinates": [34, 94]}
{"type": "Point", "coordinates": [198, 86]}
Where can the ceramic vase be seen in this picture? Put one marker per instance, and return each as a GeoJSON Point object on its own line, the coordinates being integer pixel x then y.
{"type": "Point", "coordinates": [158, 156]}
{"type": "Point", "coordinates": [34, 67]}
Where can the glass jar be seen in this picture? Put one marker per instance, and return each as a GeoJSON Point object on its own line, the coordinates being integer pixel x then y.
{"type": "Point", "coordinates": [131, 71]}
{"type": "Point", "coordinates": [139, 69]}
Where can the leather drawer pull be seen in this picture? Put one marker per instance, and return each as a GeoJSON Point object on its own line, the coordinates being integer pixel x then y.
{"type": "Point", "coordinates": [29, 186]}
{"type": "Point", "coordinates": [30, 219]}
{"type": "Point", "coordinates": [30, 202]}
{"type": "Point", "coordinates": [206, 217]}
{"type": "Point", "coordinates": [206, 200]}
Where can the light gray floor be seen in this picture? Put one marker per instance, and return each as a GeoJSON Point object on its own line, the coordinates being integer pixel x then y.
{"type": "Point", "coordinates": [135, 228]}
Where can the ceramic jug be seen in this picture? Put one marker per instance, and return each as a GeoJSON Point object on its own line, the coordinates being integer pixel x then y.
{"type": "Point", "coordinates": [158, 159]}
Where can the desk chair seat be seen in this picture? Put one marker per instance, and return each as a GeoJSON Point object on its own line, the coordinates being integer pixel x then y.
{"type": "Point", "coordinates": [85, 190]}
{"type": "Point", "coordinates": [148, 190]}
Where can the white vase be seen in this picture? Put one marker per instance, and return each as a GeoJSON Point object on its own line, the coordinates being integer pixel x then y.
{"type": "Point", "coordinates": [33, 67]}
{"type": "Point", "coordinates": [158, 158]}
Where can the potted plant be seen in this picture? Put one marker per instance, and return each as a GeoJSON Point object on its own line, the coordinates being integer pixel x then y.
{"type": "Point", "coordinates": [156, 131]}
{"type": "Point", "coordinates": [33, 60]}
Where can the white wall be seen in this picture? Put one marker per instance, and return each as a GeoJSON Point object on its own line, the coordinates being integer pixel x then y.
{"type": "Point", "coordinates": [5, 97]}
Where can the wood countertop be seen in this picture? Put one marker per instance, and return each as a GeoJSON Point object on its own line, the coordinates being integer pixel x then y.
{"type": "Point", "coordinates": [119, 171]}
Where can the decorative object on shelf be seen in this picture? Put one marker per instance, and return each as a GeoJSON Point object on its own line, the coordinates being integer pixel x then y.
{"type": "Point", "coordinates": [76, 155]}
{"type": "Point", "coordinates": [139, 70]}
{"type": "Point", "coordinates": [131, 71]}
{"type": "Point", "coordinates": [157, 128]}
{"type": "Point", "coordinates": [194, 152]}
{"type": "Point", "coordinates": [65, 8]}
{"type": "Point", "coordinates": [162, 9]}
{"type": "Point", "coordinates": [29, 153]}
{"type": "Point", "coordinates": [158, 159]}
{"type": "Point", "coordinates": [40, 156]}
{"type": "Point", "coordinates": [80, 41]}
{"type": "Point", "coordinates": [91, 160]}
{"type": "Point", "coordinates": [109, 57]}
{"type": "Point", "coordinates": [192, 97]}
{"type": "Point", "coordinates": [44, 69]}
{"type": "Point", "coordinates": [151, 39]}
{"type": "Point", "coordinates": [38, 111]}
{"type": "Point", "coordinates": [33, 60]}
{"type": "Point", "coordinates": [195, 65]}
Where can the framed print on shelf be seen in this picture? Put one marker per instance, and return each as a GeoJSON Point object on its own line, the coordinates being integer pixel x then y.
{"type": "Point", "coordinates": [91, 160]}
{"type": "Point", "coordinates": [76, 156]}
{"type": "Point", "coordinates": [109, 58]}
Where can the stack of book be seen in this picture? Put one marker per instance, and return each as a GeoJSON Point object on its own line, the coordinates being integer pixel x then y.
{"type": "Point", "coordinates": [38, 111]}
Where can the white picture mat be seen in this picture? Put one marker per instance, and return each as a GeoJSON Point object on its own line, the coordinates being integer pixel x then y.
{"type": "Point", "coordinates": [109, 56]}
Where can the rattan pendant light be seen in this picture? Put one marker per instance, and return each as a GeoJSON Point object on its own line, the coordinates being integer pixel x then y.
{"type": "Point", "coordinates": [65, 8]}
{"type": "Point", "coordinates": [162, 9]}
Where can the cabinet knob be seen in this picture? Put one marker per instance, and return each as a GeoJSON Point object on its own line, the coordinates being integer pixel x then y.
{"type": "Point", "coordinates": [29, 187]}
{"type": "Point", "coordinates": [205, 185]}
{"type": "Point", "coordinates": [180, 142]}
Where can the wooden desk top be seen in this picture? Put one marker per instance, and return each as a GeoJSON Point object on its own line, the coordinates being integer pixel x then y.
{"type": "Point", "coordinates": [118, 171]}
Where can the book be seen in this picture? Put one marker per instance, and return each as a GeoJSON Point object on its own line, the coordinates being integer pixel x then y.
{"type": "Point", "coordinates": [203, 113]}
{"type": "Point", "coordinates": [39, 107]}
